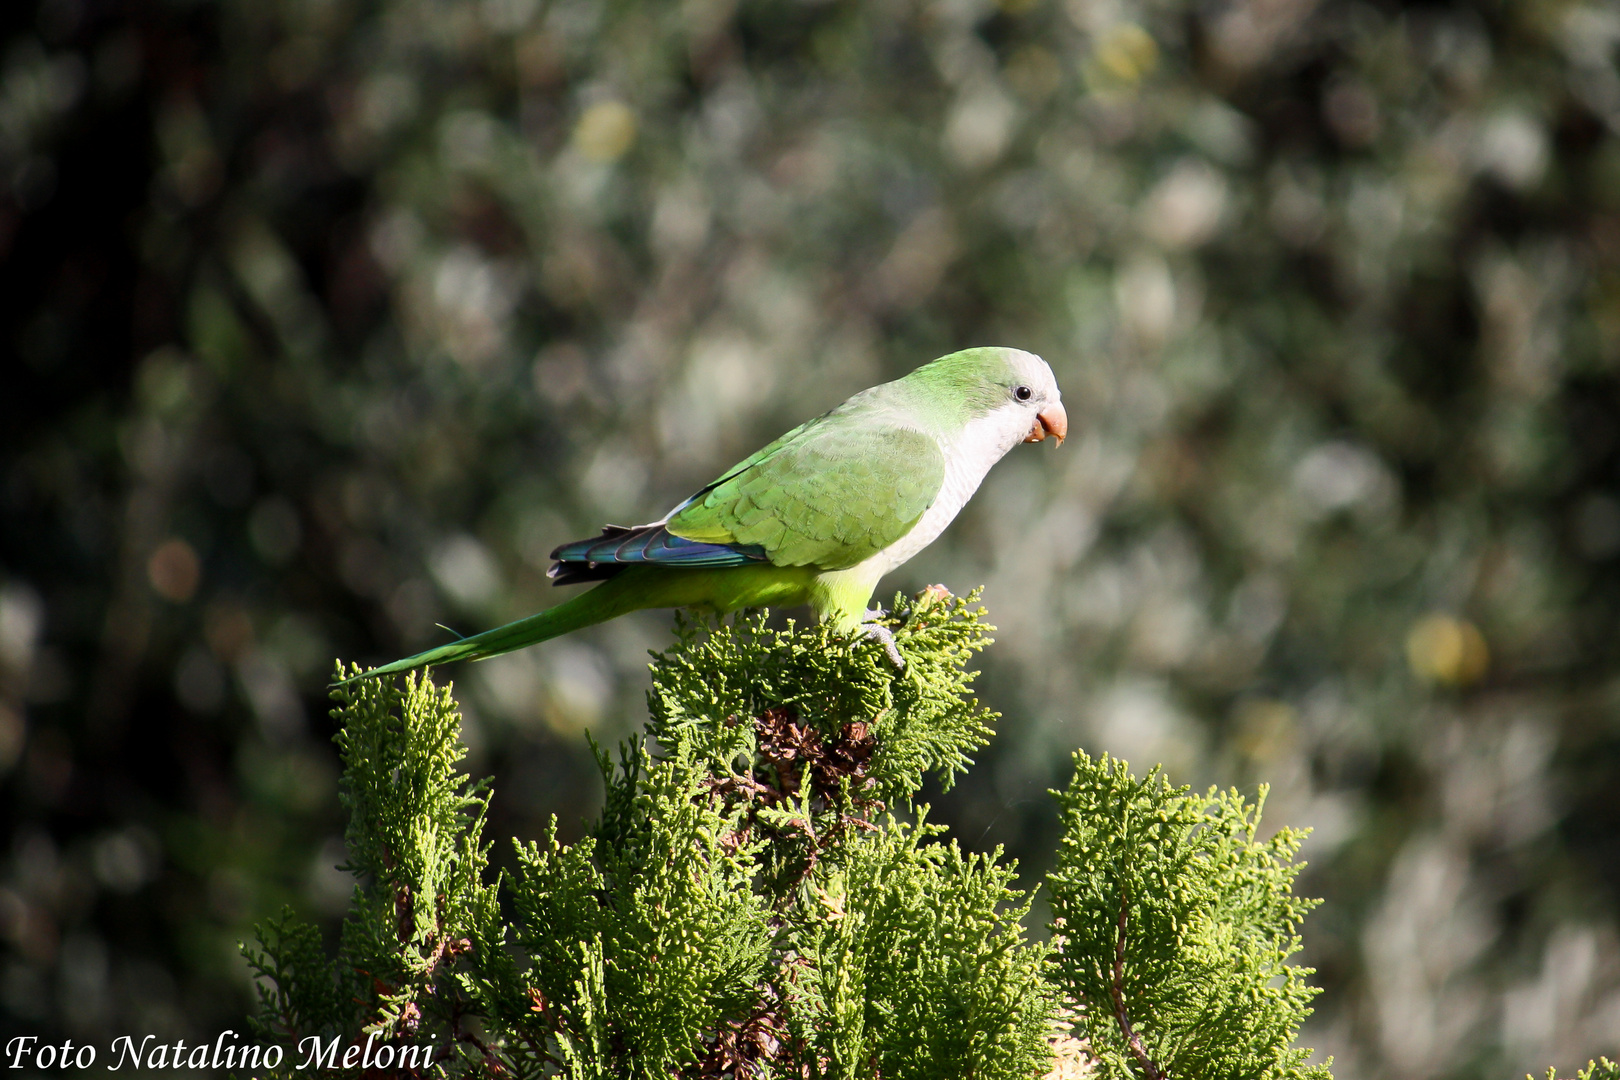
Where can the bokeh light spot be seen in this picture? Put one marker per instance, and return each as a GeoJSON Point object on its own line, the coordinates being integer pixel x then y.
{"type": "Point", "coordinates": [606, 131]}
{"type": "Point", "coordinates": [1127, 53]}
{"type": "Point", "coordinates": [1447, 650]}
{"type": "Point", "coordinates": [174, 571]}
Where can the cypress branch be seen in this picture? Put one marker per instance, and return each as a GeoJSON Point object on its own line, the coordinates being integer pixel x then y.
{"type": "Point", "coordinates": [1175, 925]}
{"type": "Point", "coordinates": [762, 896]}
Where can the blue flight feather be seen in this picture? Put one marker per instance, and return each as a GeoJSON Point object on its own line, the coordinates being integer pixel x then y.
{"type": "Point", "coordinates": [654, 544]}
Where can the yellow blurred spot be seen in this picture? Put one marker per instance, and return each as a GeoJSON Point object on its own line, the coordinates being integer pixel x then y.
{"type": "Point", "coordinates": [1127, 53]}
{"type": "Point", "coordinates": [569, 725]}
{"type": "Point", "coordinates": [1265, 728]}
{"type": "Point", "coordinates": [1447, 650]}
{"type": "Point", "coordinates": [1034, 72]}
{"type": "Point", "coordinates": [174, 571]}
{"type": "Point", "coordinates": [606, 131]}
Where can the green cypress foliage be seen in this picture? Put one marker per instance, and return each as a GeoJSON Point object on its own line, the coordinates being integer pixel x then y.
{"type": "Point", "coordinates": [1601, 1069]}
{"type": "Point", "coordinates": [421, 902]}
{"type": "Point", "coordinates": [761, 895]}
{"type": "Point", "coordinates": [1175, 925]}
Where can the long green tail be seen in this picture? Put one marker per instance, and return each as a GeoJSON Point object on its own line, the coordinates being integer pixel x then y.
{"type": "Point", "coordinates": [609, 600]}
{"type": "Point", "coordinates": [718, 589]}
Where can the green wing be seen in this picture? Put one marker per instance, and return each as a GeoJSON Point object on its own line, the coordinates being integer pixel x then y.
{"type": "Point", "coordinates": [831, 493]}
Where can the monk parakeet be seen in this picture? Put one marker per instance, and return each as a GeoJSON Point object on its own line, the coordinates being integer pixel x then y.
{"type": "Point", "coordinates": [816, 517]}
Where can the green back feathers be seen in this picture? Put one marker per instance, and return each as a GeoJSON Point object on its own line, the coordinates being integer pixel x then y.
{"type": "Point", "coordinates": [829, 494]}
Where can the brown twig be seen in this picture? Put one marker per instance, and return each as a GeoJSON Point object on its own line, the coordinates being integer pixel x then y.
{"type": "Point", "coordinates": [553, 1022]}
{"type": "Point", "coordinates": [1150, 1068]}
{"type": "Point", "coordinates": [492, 1062]}
{"type": "Point", "coordinates": [740, 1047]}
{"type": "Point", "coordinates": [404, 911]}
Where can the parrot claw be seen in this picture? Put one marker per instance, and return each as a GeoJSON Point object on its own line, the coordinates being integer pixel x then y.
{"type": "Point", "coordinates": [883, 635]}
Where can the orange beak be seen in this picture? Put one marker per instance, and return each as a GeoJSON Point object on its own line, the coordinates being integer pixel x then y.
{"type": "Point", "coordinates": [1050, 421]}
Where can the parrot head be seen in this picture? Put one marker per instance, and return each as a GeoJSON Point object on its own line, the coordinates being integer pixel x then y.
{"type": "Point", "coordinates": [1006, 391]}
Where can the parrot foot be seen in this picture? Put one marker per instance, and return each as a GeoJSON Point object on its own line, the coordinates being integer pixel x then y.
{"type": "Point", "coordinates": [884, 636]}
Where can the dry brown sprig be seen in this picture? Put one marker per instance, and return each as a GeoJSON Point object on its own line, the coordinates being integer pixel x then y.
{"type": "Point", "coordinates": [741, 1045]}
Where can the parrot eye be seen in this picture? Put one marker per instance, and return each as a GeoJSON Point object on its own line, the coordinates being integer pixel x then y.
{"type": "Point", "coordinates": [1023, 393]}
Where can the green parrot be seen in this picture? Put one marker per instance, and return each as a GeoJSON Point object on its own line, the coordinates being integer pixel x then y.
{"type": "Point", "coordinates": [816, 517]}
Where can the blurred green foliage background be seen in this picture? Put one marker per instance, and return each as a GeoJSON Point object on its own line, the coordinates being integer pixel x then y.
{"type": "Point", "coordinates": [325, 320]}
